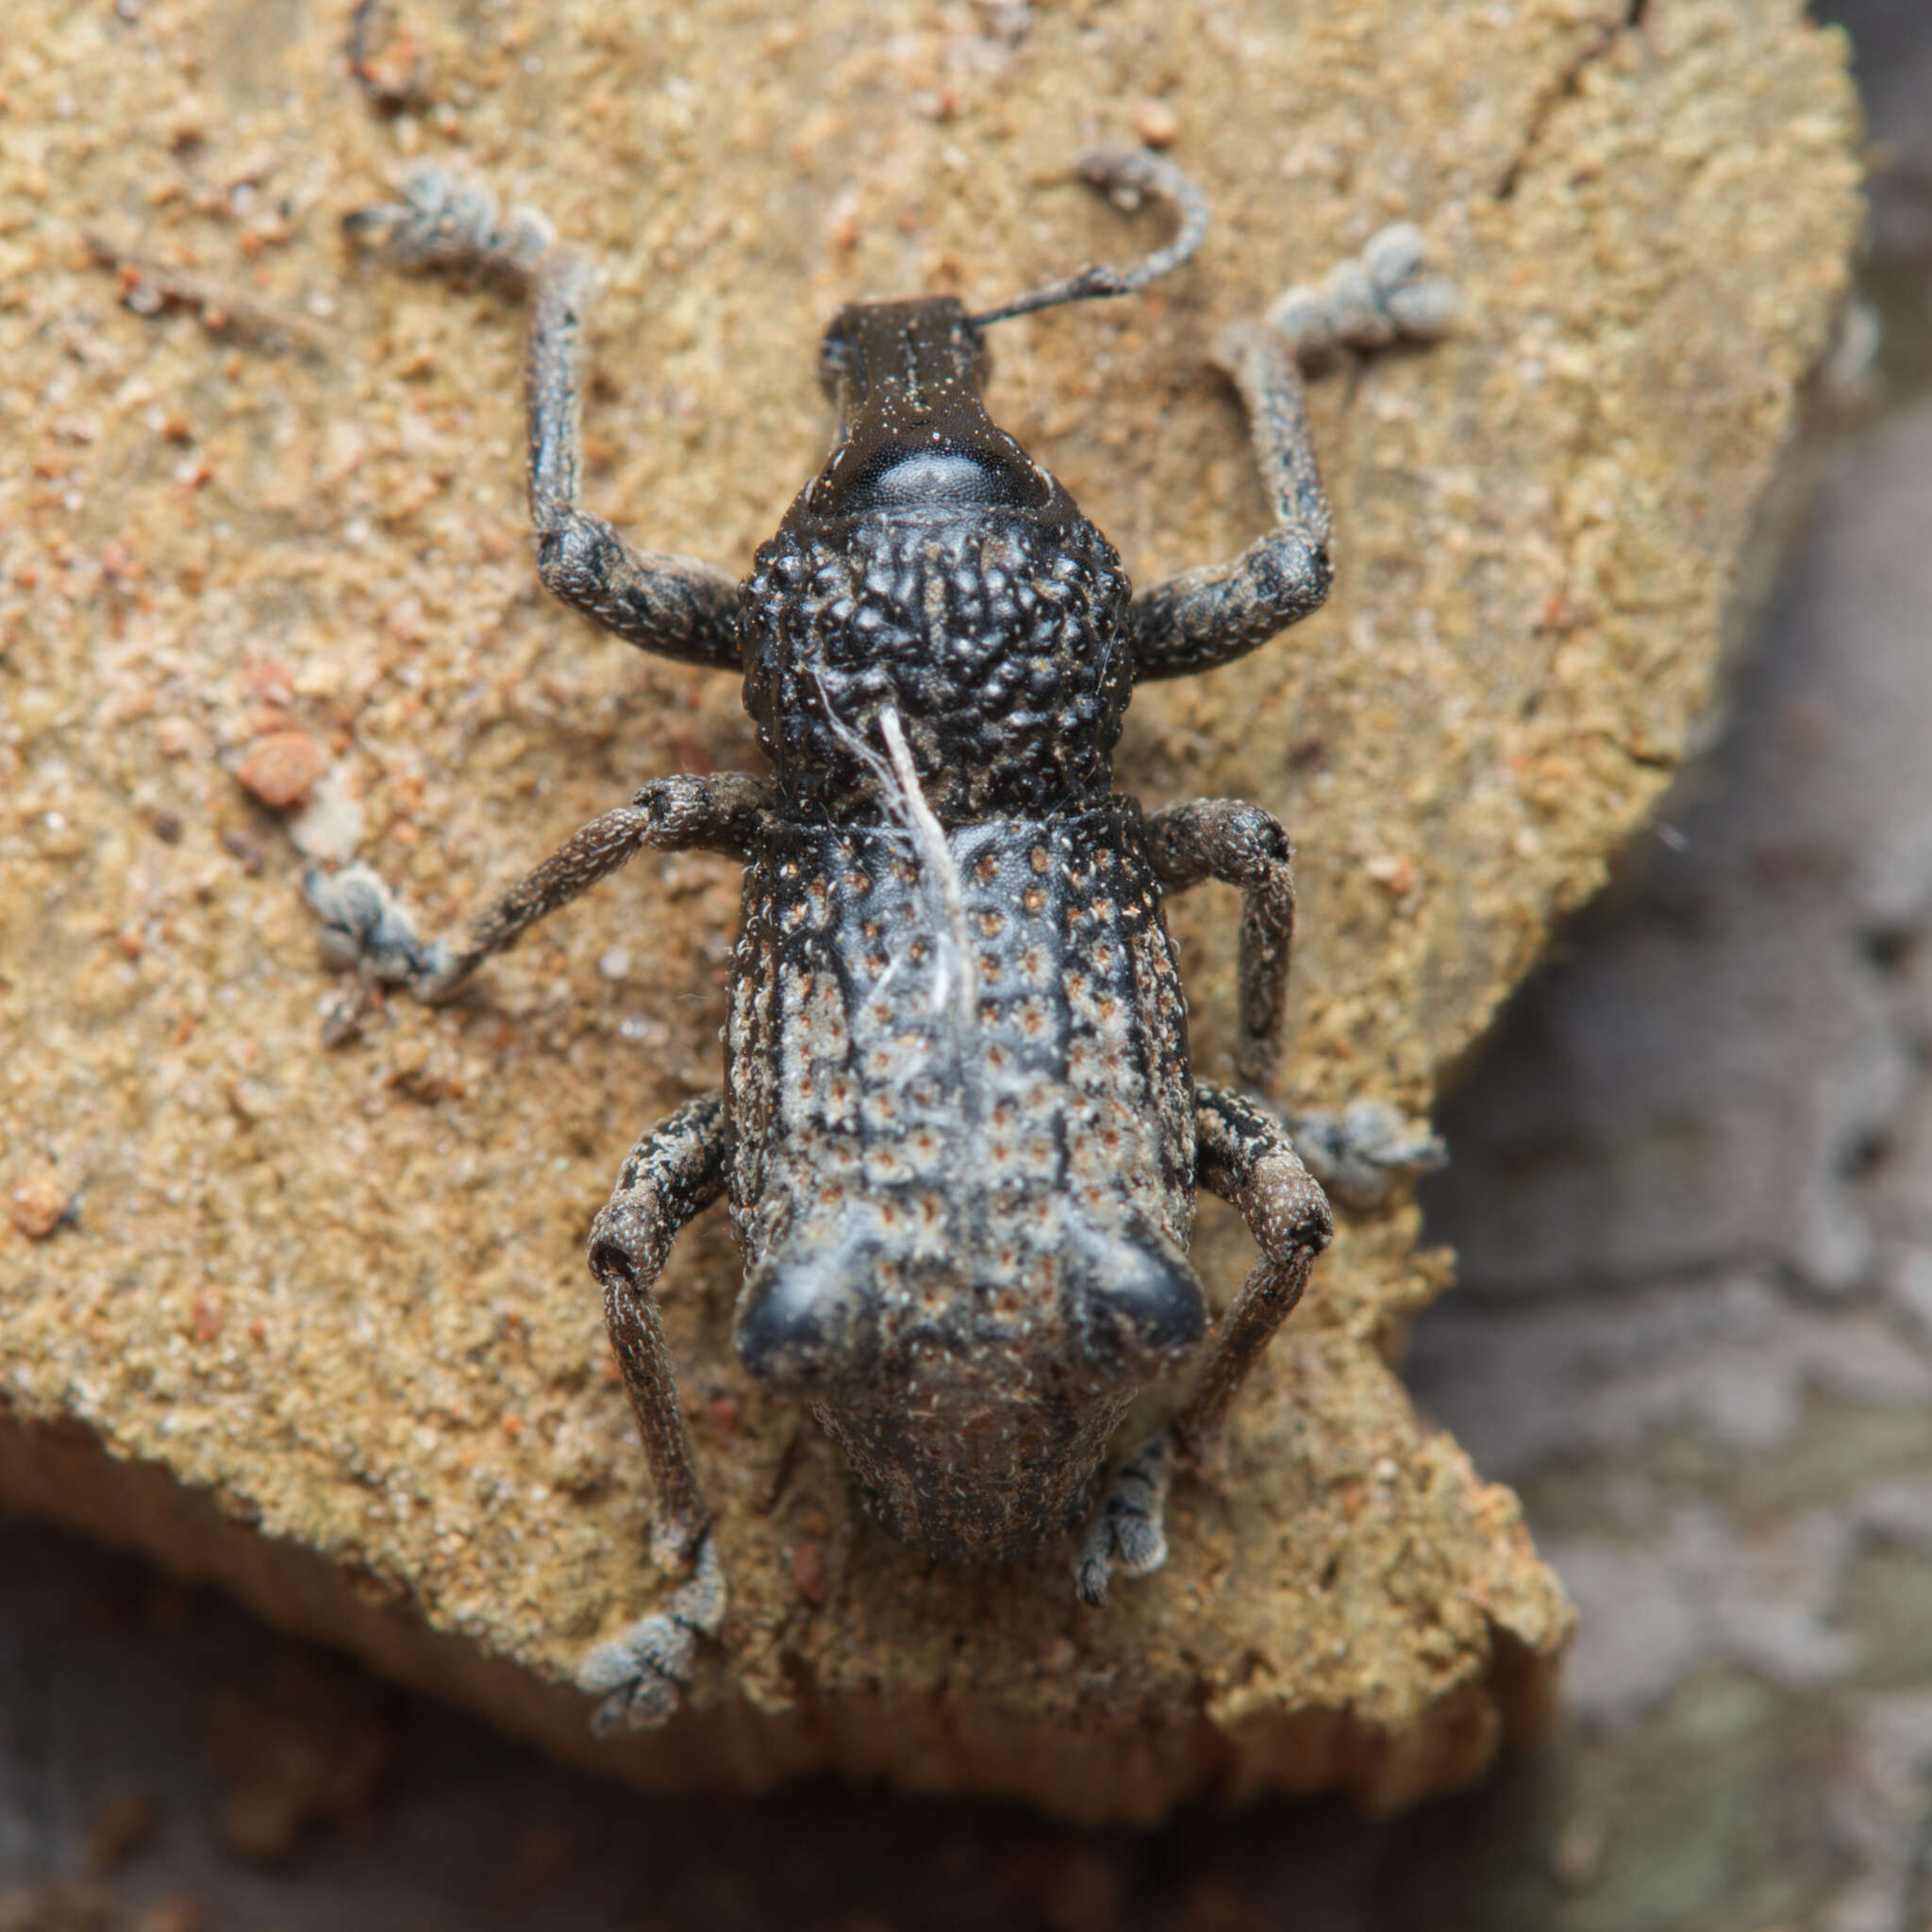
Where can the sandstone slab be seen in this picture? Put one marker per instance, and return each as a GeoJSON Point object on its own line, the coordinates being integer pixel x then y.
{"type": "Point", "coordinates": [318, 1324]}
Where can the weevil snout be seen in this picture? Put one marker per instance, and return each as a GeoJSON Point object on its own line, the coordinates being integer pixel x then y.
{"type": "Point", "coordinates": [913, 434]}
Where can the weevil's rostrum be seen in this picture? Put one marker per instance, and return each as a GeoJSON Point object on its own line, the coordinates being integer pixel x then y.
{"type": "Point", "coordinates": [959, 1132]}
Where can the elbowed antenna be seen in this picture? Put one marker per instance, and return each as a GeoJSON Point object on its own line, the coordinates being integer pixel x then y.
{"type": "Point", "coordinates": [1121, 167]}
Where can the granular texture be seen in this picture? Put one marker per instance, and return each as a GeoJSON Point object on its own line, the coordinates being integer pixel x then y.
{"type": "Point", "coordinates": [318, 1324]}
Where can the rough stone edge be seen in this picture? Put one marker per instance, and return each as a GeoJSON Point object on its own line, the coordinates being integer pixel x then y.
{"type": "Point", "coordinates": [62, 1473]}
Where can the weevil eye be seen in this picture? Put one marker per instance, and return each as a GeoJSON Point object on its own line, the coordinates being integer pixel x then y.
{"type": "Point", "coordinates": [937, 475]}
{"type": "Point", "coordinates": [835, 358]}
{"type": "Point", "coordinates": [806, 1320]}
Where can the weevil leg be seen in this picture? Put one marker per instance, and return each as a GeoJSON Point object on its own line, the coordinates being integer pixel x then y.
{"type": "Point", "coordinates": [637, 1676]}
{"type": "Point", "coordinates": [676, 605]}
{"type": "Point", "coordinates": [1210, 616]}
{"type": "Point", "coordinates": [363, 926]}
{"type": "Point", "coordinates": [1128, 1533]}
{"type": "Point", "coordinates": [1384, 294]}
{"type": "Point", "coordinates": [1359, 1153]}
{"type": "Point", "coordinates": [1241, 845]}
{"type": "Point", "coordinates": [672, 1173]}
{"type": "Point", "coordinates": [1244, 1155]}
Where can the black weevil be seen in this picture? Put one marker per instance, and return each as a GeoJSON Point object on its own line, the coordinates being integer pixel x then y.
{"type": "Point", "coordinates": [959, 1132]}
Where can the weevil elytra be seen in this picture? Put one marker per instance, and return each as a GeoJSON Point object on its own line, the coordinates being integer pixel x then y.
{"type": "Point", "coordinates": [959, 1132]}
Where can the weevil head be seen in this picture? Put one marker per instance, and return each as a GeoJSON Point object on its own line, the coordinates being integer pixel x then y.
{"type": "Point", "coordinates": [914, 440]}
{"type": "Point", "coordinates": [933, 567]}
{"type": "Point", "coordinates": [975, 1394]}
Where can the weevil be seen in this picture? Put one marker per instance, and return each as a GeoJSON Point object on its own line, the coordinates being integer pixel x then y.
{"type": "Point", "coordinates": [960, 1133]}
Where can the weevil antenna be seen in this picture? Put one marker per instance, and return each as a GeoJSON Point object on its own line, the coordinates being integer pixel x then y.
{"type": "Point", "coordinates": [1120, 168]}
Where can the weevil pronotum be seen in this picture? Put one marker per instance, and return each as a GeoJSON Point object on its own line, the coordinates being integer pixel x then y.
{"type": "Point", "coordinates": [958, 1131]}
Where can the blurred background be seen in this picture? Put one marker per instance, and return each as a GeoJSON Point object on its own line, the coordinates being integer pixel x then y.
{"type": "Point", "coordinates": [1692, 1195]}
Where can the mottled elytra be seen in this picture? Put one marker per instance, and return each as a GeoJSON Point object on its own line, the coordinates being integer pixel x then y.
{"type": "Point", "coordinates": [959, 1134]}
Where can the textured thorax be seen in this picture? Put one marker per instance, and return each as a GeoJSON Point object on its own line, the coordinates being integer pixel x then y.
{"type": "Point", "coordinates": [963, 1218]}
{"type": "Point", "coordinates": [995, 636]}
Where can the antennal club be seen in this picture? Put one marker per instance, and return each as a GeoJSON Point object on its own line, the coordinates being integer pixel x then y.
{"type": "Point", "coordinates": [1136, 168]}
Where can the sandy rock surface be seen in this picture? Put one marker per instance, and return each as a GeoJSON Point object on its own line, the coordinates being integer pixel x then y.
{"type": "Point", "coordinates": [318, 1324]}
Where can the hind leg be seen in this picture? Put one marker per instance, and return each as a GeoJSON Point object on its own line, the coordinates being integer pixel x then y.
{"type": "Point", "coordinates": [674, 1172]}
{"type": "Point", "coordinates": [1246, 1158]}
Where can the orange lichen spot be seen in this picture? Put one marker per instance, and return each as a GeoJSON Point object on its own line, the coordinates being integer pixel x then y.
{"type": "Point", "coordinates": [39, 1204]}
{"type": "Point", "coordinates": [808, 1571]}
{"type": "Point", "coordinates": [279, 768]}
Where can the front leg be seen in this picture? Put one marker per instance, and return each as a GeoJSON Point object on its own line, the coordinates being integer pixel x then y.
{"type": "Point", "coordinates": [671, 1176]}
{"type": "Point", "coordinates": [1245, 1157]}
{"type": "Point", "coordinates": [363, 926]}
{"type": "Point", "coordinates": [675, 605]}
{"type": "Point", "coordinates": [1241, 845]}
{"type": "Point", "coordinates": [1210, 616]}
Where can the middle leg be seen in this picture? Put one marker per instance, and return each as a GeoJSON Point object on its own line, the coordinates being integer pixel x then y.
{"type": "Point", "coordinates": [1359, 1153]}
{"type": "Point", "coordinates": [363, 926]}
{"type": "Point", "coordinates": [1241, 845]}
